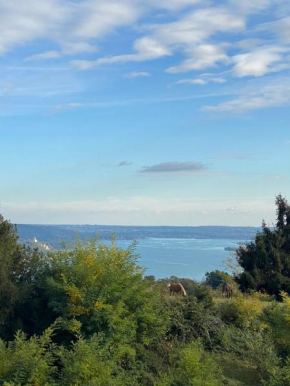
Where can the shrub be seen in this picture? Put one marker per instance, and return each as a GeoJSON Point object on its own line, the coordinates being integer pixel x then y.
{"type": "Point", "coordinates": [193, 367]}
{"type": "Point", "coordinates": [277, 316]}
{"type": "Point", "coordinates": [241, 312]}
{"type": "Point", "coordinates": [254, 347]}
{"type": "Point", "coordinates": [190, 319]}
{"type": "Point", "coordinates": [28, 361]}
{"type": "Point", "coordinates": [99, 288]}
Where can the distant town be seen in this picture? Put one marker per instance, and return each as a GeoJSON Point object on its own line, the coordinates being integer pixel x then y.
{"type": "Point", "coordinates": [52, 236]}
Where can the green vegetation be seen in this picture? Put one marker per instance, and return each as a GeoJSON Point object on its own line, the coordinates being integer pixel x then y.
{"type": "Point", "coordinates": [266, 261]}
{"type": "Point", "coordinates": [87, 316]}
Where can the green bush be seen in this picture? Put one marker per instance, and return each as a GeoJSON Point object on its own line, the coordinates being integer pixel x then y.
{"type": "Point", "coordinates": [255, 347]}
{"type": "Point", "coordinates": [193, 367]}
{"type": "Point", "coordinates": [99, 288]}
{"type": "Point", "coordinates": [28, 361]}
{"type": "Point", "coordinates": [189, 319]}
{"type": "Point", "coordinates": [241, 312]}
{"type": "Point", "coordinates": [277, 317]}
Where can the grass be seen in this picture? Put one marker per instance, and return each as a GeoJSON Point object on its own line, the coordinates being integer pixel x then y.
{"type": "Point", "coordinates": [236, 371]}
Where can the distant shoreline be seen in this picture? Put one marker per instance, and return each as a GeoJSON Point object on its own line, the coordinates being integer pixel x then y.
{"type": "Point", "coordinates": [54, 235]}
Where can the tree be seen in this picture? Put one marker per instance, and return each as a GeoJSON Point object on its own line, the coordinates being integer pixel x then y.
{"type": "Point", "coordinates": [99, 288]}
{"type": "Point", "coordinates": [20, 269]}
{"type": "Point", "coordinates": [9, 262]}
{"type": "Point", "coordinates": [266, 260]}
{"type": "Point", "coordinates": [216, 278]}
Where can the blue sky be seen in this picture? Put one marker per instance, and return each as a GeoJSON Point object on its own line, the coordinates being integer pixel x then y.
{"type": "Point", "coordinates": [128, 112]}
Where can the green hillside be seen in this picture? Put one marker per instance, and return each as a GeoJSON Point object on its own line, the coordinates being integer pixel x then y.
{"type": "Point", "coordinates": [88, 316]}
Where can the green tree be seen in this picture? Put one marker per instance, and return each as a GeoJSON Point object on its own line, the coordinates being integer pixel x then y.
{"type": "Point", "coordinates": [21, 270]}
{"type": "Point", "coordinates": [99, 288]}
{"type": "Point", "coordinates": [216, 278]}
{"type": "Point", "coordinates": [28, 361]}
{"type": "Point", "coordinates": [10, 253]}
{"type": "Point", "coordinates": [266, 260]}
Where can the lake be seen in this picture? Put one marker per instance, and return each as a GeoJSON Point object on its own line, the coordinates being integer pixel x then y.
{"type": "Point", "coordinates": [190, 258]}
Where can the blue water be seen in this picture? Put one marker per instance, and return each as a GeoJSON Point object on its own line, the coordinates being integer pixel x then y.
{"type": "Point", "coordinates": [190, 258]}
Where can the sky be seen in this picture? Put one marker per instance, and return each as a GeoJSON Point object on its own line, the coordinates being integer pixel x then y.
{"type": "Point", "coordinates": [134, 112]}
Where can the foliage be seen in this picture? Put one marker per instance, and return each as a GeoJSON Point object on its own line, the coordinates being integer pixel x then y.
{"type": "Point", "coordinates": [266, 261]}
{"type": "Point", "coordinates": [89, 317]}
{"type": "Point", "coordinates": [99, 288]}
{"type": "Point", "coordinates": [9, 264]}
{"type": "Point", "coordinates": [194, 367]}
{"type": "Point", "coordinates": [190, 319]}
{"type": "Point", "coordinates": [28, 361]}
{"type": "Point", "coordinates": [241, 312]}
{"type": "Point", "coordinates": [280, 376]}
{"type": "Point", "coordinates": [237, 371]}
{"type": "Point", "coordinates": [88, 362]}
{"type": "Point", "coordinates": [277, 317]}
{"type": "Point", "coordinates": [201, 292]}
{"type": "Point", "coordinates": [255, 347]}
{"type": "Point", "coordinates": [20, 269]}
{"type": "Point", "coordinates": [216, 278]}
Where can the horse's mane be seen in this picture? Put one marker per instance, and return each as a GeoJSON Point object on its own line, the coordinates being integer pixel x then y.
{"type": "Point", "coordinates": [179, 287]}
{"type": "Point", "coordinates": [182, 289]}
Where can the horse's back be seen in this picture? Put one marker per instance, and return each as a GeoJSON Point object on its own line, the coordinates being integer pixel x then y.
{"type": "Point", "coordinates": [177, 287]}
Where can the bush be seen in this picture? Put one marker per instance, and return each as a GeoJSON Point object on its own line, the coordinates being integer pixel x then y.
{"type": "Point", "coordinates": [28, 361]}
{"type": "Point", "coordinates": [99, 288]}
{"type": "Point", "coordinates": [241, 312]}
{"type": "Point", "coordinates": [254, 347]}
{"type": "Point", "coordinates": [193, 367]}
{"type": "Point", "coordinates": [89, 362]}
{"type": "Point", "coordinates": [190, 319]}
{"type": "Point", "coordinates": [277, 317]}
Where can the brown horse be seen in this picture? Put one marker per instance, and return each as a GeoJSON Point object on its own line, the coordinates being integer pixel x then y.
{"type": "Point", "coordinates": [227, 290]}
{"type": "Point", "coordinates": [176, 288]}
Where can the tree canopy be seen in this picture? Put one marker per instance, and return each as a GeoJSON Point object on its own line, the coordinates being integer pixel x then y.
{"type": "Point", "coordinates": [86, 315]}
{"type": "Point", "coordinates": [266, 260]}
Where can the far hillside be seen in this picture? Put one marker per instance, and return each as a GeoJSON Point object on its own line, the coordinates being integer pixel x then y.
{"type": "Point", "coordinates": [56, 234]}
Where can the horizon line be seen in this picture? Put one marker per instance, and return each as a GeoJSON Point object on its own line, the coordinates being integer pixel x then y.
{"type": "Point", "coordinates": [151, 226]}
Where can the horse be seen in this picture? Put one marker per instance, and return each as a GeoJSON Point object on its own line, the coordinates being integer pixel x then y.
{"type": "Point", "coordinates": [176, 288]}
{"type": "Point", "coordinates": [227, 290]}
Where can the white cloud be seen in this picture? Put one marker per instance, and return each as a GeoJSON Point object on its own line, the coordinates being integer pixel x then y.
{"type": "Point", "coordinates": [93, 19]}
{"type": "Point", "coordinates": [44, 56]}
{"type": "Point", "coordinates": [202, 34]}
{"type": "Point", "coordinates": [201, 81]}
{"type": "Point", "coordinates": [252, 6]}
{"type": "Point", "coordinates": [199, 25]}
{"type": "Point", "coordinates": [145, 49]}
{"type": "Point", "coordinates": [280, 27]}
{"type": "Point", "coordinates": [72, 48]}
{"type": "Point", "coordinates": [184, 35]}
{"type": "Point", "coordinates": [137, 74]}
{"type": "Point", "coordinates": [261, 61]}
{"type": "Point", "coordinates": [31, 20]}
{"type": "Point", "coordinates": [198, 81]}
{"type": "Point", "coordinates": [149, 48]}
{"type": "Point", "coordinates": [201, 57]}
{"type": "Point", "coordinates": [173, 5]}
{"type": "Point", "coordinates": [68, 24]}
{"type": "Point", "coordinates": [257, 96]}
